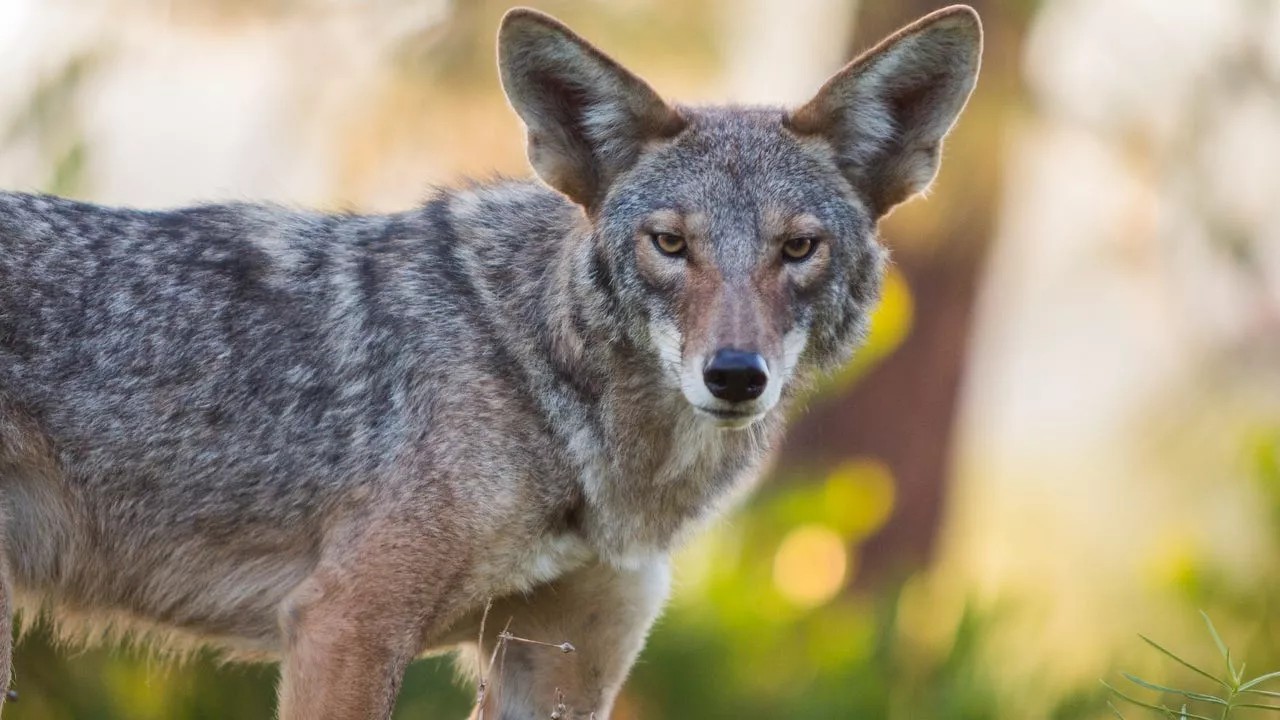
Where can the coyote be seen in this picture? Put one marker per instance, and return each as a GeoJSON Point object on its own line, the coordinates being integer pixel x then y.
{"type": "Point", "coordinates": [336, 439]}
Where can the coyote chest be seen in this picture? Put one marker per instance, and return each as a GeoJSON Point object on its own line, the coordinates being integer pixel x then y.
{"type": "Point", "coordinates": [529, 564]}
{"type": "Point", "coordinates": [642, 498]}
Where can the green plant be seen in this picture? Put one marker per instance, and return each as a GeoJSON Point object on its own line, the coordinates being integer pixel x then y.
{"type": "Point", "coordinates": [1232, 692]}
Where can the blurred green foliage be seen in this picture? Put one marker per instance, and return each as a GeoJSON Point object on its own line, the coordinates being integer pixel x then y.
{"type": "Point", "coordinates": [110, 684]}
{"type": "Point", "coordinates": [1251, 604]}
{"type": "Point", "coordinates": [50, 120]}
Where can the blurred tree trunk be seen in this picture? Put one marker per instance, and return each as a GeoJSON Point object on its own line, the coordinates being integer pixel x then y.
{"type": "Point", "coordinates": [903, 411]}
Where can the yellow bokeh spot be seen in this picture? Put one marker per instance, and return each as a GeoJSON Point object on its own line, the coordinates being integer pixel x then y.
{"type": "Point", "coordinates": [810, 566]}
{"type": "Point", "coordinates": [859, 497]}
{"type": "Point", "coordinates": [1176, 562]}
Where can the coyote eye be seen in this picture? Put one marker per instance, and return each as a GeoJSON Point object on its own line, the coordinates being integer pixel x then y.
{"type": "Point", "coordinates": [798, 248]}
{"type": "Point", "coordinates": [669, 244]}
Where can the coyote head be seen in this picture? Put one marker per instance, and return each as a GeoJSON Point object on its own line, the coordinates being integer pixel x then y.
{"type": "Point", "coordinates": [739, 244]}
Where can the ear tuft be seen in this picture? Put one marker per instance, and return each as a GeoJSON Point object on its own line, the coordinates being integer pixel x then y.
{"type": "Point", "coordinates": [886, 113]}
{"type": "Point", "coordinates": [587, 117]}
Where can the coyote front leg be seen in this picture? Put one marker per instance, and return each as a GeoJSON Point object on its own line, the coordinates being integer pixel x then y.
{"type": "Point", "coordinates": [604, 612]}
{"type": "Point", "coordinates": [351, 628]}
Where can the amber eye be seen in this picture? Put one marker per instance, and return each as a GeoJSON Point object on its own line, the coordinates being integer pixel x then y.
{"type": "Point", "coordinates": [669, 244]}
{"type": "Point", "coordinates": [798, 248]}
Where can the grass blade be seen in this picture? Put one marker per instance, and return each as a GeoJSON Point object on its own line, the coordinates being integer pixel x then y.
{"type": "Point", "coordinates": [1175, 691]}
{"type": "Point", "coordinates": [1140, 703]}
{"type": "Point", "coordinates": [1276, 708]}
{"type": "Point", "coordinates": [1217, 640]}
{"type": "Point", "coordinates": [1264, 693]}
{"type": "Point", "coordinates": [1115, 711]}
{"type": "Point", "coordinates": [1135, 701]}
{"type": "Point", "coordinates": [1260, 679]}
{"type": "Point", "coordinates": [1184, 663]}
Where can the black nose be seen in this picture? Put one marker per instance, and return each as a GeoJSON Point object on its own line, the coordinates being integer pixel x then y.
{"type": "Point", "coordinates": [735, 375]}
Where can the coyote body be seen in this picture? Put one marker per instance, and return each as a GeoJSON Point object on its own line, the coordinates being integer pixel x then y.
{"type": "Point", "coordinates": [332, 439]}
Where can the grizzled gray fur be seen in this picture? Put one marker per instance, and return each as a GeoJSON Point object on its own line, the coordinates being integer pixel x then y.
{"type": "Point", "coordinates": [331, 439]}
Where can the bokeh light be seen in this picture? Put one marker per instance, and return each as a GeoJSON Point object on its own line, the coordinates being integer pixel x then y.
{"type": "Point", "coordinates": [810, 565]}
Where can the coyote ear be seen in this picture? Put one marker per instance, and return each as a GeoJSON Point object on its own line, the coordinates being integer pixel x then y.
{"type": "Point", "coordinates": [885, 114]}
{"type": "Point", "coordinates": [587, 117]}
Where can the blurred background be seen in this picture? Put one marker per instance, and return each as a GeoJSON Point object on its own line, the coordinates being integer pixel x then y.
{"type": "Point", "coordinates": [1064, 431]}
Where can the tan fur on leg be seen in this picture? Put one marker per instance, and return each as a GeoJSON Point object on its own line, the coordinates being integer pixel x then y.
{"type": "Point", "coordinates": [605, 613]}
{"type": "Point", "coordinates": [351, 628]}
{"type": "Point", "coordinates": [331, 661]}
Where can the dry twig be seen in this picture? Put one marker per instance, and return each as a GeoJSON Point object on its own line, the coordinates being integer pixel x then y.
{"type": "Point", "coordinates": [499, 655]}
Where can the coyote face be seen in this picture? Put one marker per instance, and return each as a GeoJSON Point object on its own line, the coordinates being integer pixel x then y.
{"type": "Point", "coordinates": [740, 242]}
